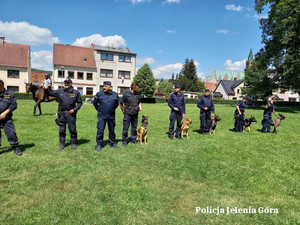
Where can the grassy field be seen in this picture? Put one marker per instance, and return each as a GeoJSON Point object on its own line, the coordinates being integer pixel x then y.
{"type": "Point", "coordinates": [161, 183]}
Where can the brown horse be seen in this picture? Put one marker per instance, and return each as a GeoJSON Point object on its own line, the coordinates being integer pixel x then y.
{"type": "Point", "coordinates": [37, 95]}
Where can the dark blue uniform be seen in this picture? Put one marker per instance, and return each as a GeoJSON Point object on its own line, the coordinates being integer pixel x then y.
{"type": "Point", "coordinates": [106, 103]}
{"type": "Point", "coordinates": [8, 101]}
{"type": "Point", "coordinates": [131, 103]}
{"type": "Point", "coordinates": [267, 117]}
{"type": "Point", "coordinates": [205, 115]}
{"type": "Point", "coordinates": [67, 99]}
{"type": "Point", "coordinates": [239, 119]}
{"type": "Point", "coordinates": [176, 100]}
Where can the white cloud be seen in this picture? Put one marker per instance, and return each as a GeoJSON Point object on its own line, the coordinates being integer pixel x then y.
{"type": "Point", "coordinates": [222, 31]}
{"type": "Point", "coordinates": [172, 1]}
{"type": "Point", "coordinates": [42, 60]}
{"type": "Point", "coordinates": [235, 66]}
{"type": "Point", "coordinates": [248, 9]}
{"type": "Point", "coordinates": [111, 41]}
{"type": "Point", "coordinates": [256, 16]}
{"type": "Point", "coordinates": [171, 31]}
{"type": "Point", "coordinates": [167, 70]}
{"type": "Point", "coordinates": [26, 33]}
{"type": "Point", "coordinates": [233, 7]}
{"type": "Point", "coordinates": [159, 51]}
{"type": "Point", "coordinates": [139, 1]}
{"type": "Point", "coordinates": [201, 75]}
{"type": "Point", "coordinates": [147, 60]}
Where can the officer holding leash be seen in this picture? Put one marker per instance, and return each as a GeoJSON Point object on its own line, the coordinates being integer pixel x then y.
{"type": "Point", "coordinates": [8, 104]}
{"type": "Point", "coordinates": [206, 105]}
{"type": "Point", "coordinates": [70, 102]}
{"type": "Point", "coordinates": [267, 116]}
{"type": "Point", "coordinates": [106, 102]}
{"type": "Point", "coordinates": [177, 105]}
{"type": "Point", "coordinates": [239, 114]}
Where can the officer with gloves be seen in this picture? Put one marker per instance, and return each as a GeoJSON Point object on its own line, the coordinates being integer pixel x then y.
{"type": "Point", "coordinates": [177, 105]}
{"type": "Point", "coordinates": [206, 105]}
{"type": "Point", "coordinates": [106, 102]}
{"type": "Point", "coordinates": [70, 102]}
{"type": "Point", "coordinates": [8, 104]}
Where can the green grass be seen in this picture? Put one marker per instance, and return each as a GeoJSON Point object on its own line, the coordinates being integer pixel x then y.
{"type": "Point", "coordinates": [161, 183]}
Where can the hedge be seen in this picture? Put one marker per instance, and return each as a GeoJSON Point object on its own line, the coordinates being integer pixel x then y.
{"type": "Point", "coordinates": [187, 100]}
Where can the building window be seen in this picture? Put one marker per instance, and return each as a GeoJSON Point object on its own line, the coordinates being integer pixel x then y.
{"type": "Point", "coordinates": [238, 91]}
{"type": "Point", "coordinates": [124, 58]}
{"type": "Point", "coordinates": [107, 56]}
{"type": "Point", "coordinates": [13, 73]}
{"type": "Point", "coordinates": [80, 90]}
{"type": "Point", "coordinates": [71, 74]}
{"type": "Point", "coordinates": [106, 73]}
{"type": "Point", "coordinates": [89, 76]}
{"type": "Point", "coordinates": [122, 90]}
{"type": "Point", "coordinates": [80, 75]}
{"type": "Point", "coordinates": [13, 88]}
{"type": "Point", "coordinates": [61, 74]}
{"type": "Point", "coordinates": [125, 74]}
{"type": "Point", "coordinates": [89, 91]}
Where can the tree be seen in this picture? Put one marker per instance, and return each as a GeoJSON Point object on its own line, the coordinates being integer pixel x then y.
{"type": "Point", "coordinates": [165, 87]}
{"type": "Point", "coordinates": [145, 80]}
{"type": "Point", "coordinates": [188, 77]}
{"type": "Point", "coordinates": [281, 39]}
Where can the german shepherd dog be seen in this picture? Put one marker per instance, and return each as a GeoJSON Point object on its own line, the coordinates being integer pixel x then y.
{"type": "Point", "coordinates": [277, 122]}
{"type": "Point", "coordinates": [143, 130]}
{"type": "Point", "coordinates": [213, 124]}
{"type": "Point", "coordinates": [247, 123]}
{"type": "Point", "coordinates": [185, 128]}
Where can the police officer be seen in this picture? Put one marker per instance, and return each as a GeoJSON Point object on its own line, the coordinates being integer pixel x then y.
{"type": "Point", "coordinates": [206, 105]}
{"type": "Point", "coordinates": [130, 105]}
{"type": "Point", "coordinates": [8, 104]}
{"type": "Point", "coordinates": [267, 115]}
{"type": "Point", "coordinates": [239, 114]}
{"type": "Point", "coordinates": [106, 102]}
{"type": "Point", "coordinates": [177, 105]}
{"type": "Point", "coordinates": [70, 102]}
{"type": "Point", "coordinates": [47, 84]}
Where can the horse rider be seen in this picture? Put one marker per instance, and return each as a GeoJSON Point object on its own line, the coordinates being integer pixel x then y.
{"type": "Point", "coordinates": [267, 115]}
{"type": "Point", "coordinates": [70, 102]}
{"type": "Point", "coordinates": [8, 104]}
{"type": "Point", "coordinates": [177, 105]}
{"type": "Point", "coordinates": [239, 113]}
{"type": "Point", "coordinates": [130, 105]}
{"type": "Point", "coordinates": [106, 102]}
{"type": "Point", "coordinates": [47, 85]}
{"type": "Point", "coordinates": [206, 105]}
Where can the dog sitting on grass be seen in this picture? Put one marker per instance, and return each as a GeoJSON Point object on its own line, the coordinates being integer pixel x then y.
{"type": "Point", "coordinates": [277, 122]}
{"type": "Point", "coordinates": [247, 123]}
{"type": "Point", "coordinates": [143, 130]}
{"type": "Point", "coordinates": [213, 124]}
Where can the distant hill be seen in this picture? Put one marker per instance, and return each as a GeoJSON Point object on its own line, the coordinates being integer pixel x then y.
{"type": "Point", "coordinates": [41, 71]}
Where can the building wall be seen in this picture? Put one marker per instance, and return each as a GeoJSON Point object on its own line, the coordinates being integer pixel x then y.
{"type": "Point", "coordinates": [238, 92]}
{"type": "Point", "coordinates": [287, 96]}
{"type": "Point", "coordinates": [222, 91]}
{"type": "Point", "coordinates": [115, 66]}
{"type": "Point", "coordinates": [78, 84]}
{"type": "Point", "coordinates": [17, 82]}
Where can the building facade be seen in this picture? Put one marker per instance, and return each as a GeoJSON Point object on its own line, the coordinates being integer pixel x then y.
{"type": "Point", "coordinates": [15, 68]}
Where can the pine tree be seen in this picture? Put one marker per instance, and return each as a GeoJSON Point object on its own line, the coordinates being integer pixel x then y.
{"type": "Point", "coordinates": [145, 80]}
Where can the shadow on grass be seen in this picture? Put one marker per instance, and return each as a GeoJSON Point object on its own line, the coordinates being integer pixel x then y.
{"type": "Point", "coordinates": [23, 148]}
{"type": "Point", "coordinates": [79, 142]}
{"type": "Point", "coordinates": [278, 109]}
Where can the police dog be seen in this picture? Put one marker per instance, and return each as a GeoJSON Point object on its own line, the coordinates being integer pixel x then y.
{"type": "Point", "coordinates": [185, 128]}
{"type": "Point", "coordinates": [247, 123]}
{"type": "Point", "coordinates": [143, 130]}
{"type": "Point", "coordinates": [277, 122]}
{"type": "Point", "coordinates": [213, 124]}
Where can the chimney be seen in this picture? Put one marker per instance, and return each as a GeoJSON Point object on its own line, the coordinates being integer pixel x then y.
{"type": "Point", "coordinates": [2, 39]}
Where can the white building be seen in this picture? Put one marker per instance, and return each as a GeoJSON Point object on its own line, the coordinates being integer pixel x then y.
{"type": "Point", "coordinates": [89, 67]}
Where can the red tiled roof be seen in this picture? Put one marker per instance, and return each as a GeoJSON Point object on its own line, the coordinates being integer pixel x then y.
{"type": "Point", "coordinates": [12, 54]}
{"type": "Point", "coordinates": [68, 55]}
{"type": "Point", "coordinates": [210, 85]}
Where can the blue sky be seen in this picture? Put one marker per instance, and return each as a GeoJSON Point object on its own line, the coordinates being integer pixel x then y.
{"type": "Point", "coordinates": [217, 34]}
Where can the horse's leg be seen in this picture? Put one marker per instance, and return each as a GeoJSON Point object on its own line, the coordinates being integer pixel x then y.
{"type": "Point", "coordinates": [40, 108]}
{"type": "Point", "coordinates": [36, 104]}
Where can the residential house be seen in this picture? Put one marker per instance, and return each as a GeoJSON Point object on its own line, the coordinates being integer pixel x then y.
{"type": "Point", "coordinates": [117, 65]}
{"type": "Point", "coordinates": [15, 66]}
{"type": "Point", "coordinates": [229, 89]}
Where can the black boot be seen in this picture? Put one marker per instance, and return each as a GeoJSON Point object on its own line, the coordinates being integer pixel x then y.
{"type": "Point", "coordinates": [18, 151]}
